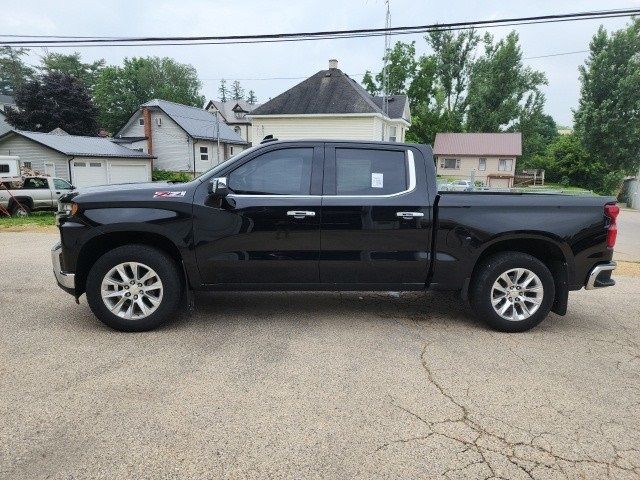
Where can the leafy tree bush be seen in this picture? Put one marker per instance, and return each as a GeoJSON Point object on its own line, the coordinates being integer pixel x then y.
{"type": "Point", "coordinates": [55, 100]}
{"type": "Point", "coordinates": [168, 176]}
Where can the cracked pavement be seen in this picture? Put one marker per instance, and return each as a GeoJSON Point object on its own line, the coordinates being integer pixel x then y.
{"type": "Point", "coordinates": [313, 385]}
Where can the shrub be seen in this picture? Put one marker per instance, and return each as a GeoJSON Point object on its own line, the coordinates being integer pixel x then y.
{"type": "Point", "coordinates": [168, 176]}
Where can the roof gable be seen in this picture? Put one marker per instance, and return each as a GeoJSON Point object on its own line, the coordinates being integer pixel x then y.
{"type": "Point", "coordinates": [196, 122]}
{"type": "Point", "coordinates": [498, 144]}
{"type": "Point", "coordinates": [327, 92]}
{"type": "Point", "coordinates": [227, 109]}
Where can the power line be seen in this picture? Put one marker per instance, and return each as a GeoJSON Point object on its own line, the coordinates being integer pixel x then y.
{"type": "Point", "coordinates": [306, 36]}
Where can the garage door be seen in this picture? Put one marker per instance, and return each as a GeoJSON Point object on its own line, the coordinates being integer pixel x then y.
{"type": "Point", "coordinates": [89, 173]}
{"type": "Point", "coordinates": [121, 172]}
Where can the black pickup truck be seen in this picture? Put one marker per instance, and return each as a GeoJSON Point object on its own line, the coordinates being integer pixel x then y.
{"type": "Point", "coordinates": [329, 215]}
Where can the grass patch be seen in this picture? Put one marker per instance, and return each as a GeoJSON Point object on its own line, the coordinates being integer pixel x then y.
{"type": "Point", "coordinates": [34, 219]}
{"type": "Point", "coordinates": [560, 188]}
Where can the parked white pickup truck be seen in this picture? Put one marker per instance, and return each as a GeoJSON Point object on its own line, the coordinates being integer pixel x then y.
{"type": "Point", "coordinates": [36, 193]}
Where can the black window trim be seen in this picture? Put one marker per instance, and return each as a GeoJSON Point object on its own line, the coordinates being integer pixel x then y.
{"type": "Point", "coordinates": [330, 172]}
{"type": "Point", "coordinates": [317, 166]}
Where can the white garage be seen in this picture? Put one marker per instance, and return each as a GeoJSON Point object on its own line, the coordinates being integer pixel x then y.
{"type": "Point", "coordinates": [84, 161]}
{"type": "Point", "coordinates": [88, 172]}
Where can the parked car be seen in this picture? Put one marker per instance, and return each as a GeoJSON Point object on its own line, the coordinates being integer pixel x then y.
{"type": "Point", "coordinates": [313, 215]}
{"type": "Point", "coordinates": [36, 193]}
{"type": "Point", "coordinates": [461, 186]}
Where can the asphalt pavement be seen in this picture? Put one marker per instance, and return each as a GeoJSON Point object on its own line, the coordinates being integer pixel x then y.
{"type": "Point", "coordinates": [313, 385]}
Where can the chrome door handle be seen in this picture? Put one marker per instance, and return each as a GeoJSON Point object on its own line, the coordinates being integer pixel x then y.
{"type": "Point", "coordinates": [300, 214]}
{"type": "Point", "coordinates": [409, 215]}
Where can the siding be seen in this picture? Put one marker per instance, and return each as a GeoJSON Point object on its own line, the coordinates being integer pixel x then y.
{"type": "Point", "coordinates": [171, 145]}
{"type": "Point", "coordinates": [38, 155]}
{"type": "Point", "coordinates": [468, 164]}
{"type": "Point", "coordinates": [337, 128]}
{"type": "Point", "coordinates": [174, 149]}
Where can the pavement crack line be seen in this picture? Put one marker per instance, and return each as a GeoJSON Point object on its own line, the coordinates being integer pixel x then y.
{"type": "Point", "coordinates": [524, 456]}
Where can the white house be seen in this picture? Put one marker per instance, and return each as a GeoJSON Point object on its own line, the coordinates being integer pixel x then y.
{"type": "Point", "coordinates": [329, 104]}
{"type": "Point", "coordinates": [83, 161]}
{"type": "Point", "coordinates": [234, 113]}
{"type": "Point", "coordinates": [180, 137]}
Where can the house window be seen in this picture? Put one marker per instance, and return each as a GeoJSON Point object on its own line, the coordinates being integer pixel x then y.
{"type": "Point", "coordinates": [451, 164]}
{"type": "Point", "coordinates": [4, 168]}
{"type": "Point", "coordinates": [482, 164]}
{"type": "Point", "coordinates": [141, 121]}
{"type": "Point", "coordinates": [231, 151]}
{"type": "Point", "coordinates": [237, 130]}
{"type": "Point", "coordinates": [505, 165]}
{"type": "Point", "coordinates": [392, 134]}
{"type": "Point", "coordinates": [26, 165]}
{"type": "Point", "coordinates": [204, 154]}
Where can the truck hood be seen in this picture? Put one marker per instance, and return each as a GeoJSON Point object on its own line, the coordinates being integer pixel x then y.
{"type": "Point", "coordinates": [127, 193]}
{"type": "Point", "coordinates": [126, 186]}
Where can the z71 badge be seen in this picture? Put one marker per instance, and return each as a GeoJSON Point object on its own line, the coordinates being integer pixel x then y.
{"type": "Point", "coordinates": [169, 194]}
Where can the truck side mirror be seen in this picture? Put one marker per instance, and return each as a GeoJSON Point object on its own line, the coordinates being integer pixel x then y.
{"type": "Point", "coordinates": [218, 187]}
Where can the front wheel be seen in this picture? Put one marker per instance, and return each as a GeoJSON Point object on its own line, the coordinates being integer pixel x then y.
{"type": "Point", "coordinates": [134, 288]}
{"type": "Point", "coordinates": [512, 291]}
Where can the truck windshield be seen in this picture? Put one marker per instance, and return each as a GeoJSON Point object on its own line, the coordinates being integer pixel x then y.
{"type": "Point", "coordinates": [221, 166]}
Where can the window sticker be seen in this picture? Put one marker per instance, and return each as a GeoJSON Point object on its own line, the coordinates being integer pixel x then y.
{"type": "Point", "coordinates": [377, 180]}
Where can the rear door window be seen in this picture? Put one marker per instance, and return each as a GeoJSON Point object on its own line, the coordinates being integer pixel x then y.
{"type": "Point", "coordinates": [362, 171]}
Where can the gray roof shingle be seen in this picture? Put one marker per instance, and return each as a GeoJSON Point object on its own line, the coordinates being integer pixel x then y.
{"type": "Point", "coordinates": [507, 144]}
{"type": "Point", "coordinates": [328, 91]}
{"type": "Point", "coordinates": [82, 146]}
{"type": "Point", "coordinates": [198, 123]}
{"type": "Point", "coordinates": [396, 105]}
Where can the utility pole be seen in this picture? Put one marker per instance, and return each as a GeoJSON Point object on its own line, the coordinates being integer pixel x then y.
{"type": "Point", "coordinates": [385, 73]}
{"type": "Point", "coordinates": [217, 138]}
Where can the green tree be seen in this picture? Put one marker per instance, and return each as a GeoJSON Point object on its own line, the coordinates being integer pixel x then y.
{"type": "Point", "coordinates": [538, 129]}
{"type": "Point", "coordinates": [13, 71]}
{"type": "Point", "coordinates": [223, 91]}
{"type": "Point", "coordinates": [55, 100]}
{"type": "Point", "coordinates": [401, 68]}
{"type": "Point", "coordinates": [72, 64]}
{"type": "Point", "coordinates": [237, 92]}
{"type": "Point", "coordinates": [120, 91]}
{"type": "Point", "coordinates": [499, 84]}
{"type": "Point", "coordinates": [251, 97]}
{"type": "Point", "coordinates": [607, 120]}
{"type": "Point", "coordinates": [369, 83]}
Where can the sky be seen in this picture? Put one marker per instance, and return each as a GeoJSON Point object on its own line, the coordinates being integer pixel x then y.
{"type": "Point", "coordinates": [249, 63]}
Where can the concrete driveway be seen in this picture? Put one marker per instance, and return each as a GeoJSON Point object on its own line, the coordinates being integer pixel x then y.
{"type": "Point", "coordinates": [628, 244]}
{"type": "Point", "coordinates": [314, 385]}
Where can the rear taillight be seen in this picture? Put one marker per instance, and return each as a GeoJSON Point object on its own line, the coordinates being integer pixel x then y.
{"type": "Point", "coordinates": [611, 211]}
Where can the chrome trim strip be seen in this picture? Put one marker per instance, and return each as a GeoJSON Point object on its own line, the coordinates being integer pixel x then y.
{"type": "Point", "coordinates": [301, 213]}
{"type": "Point", "coordinates": [66, 280]}
{"type": "Point", "coordinates": [412, 186]}
{"type": "Point", "coordinates": [597, 270]}
{"type": "Point", "coordinates": [409, 215]}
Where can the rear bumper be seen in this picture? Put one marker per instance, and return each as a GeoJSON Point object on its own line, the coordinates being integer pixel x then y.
{"type": "Point", "coordinates": [600, 276]}
{"type": "Point", "coordinates": [66, 281]}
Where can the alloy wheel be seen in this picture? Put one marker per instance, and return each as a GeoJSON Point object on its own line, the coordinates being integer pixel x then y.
{"type": "Point", "coordinates": [517, 294]}
{"type": "Point", "coordinates": [132, 290]}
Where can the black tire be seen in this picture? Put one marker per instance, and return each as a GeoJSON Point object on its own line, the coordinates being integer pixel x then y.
{"type": "Point", "coordinates": [21, 210]}
{"type": "Point", "coordinates": [481, 290]}
{"type": "Point", "coordinates": [166, 269]}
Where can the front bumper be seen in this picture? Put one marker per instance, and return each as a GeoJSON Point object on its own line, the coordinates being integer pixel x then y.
{"type": "Point", "coordinates": [600, 276]}
{"type": "Point", "coordinates": [66, 281]}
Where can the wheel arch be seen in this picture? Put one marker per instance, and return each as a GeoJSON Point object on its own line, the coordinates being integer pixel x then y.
{"type": "Point", "coordinates": [101, 244]}
{"type": "Point", "coordinates": [555, 254]}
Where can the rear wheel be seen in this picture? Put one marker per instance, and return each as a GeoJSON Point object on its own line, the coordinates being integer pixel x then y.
{"type": "Point", "coordinates": [21, 210]}
{"type": "Point", "coordinates": [134, 288]}
{"type": "Point", "coordinates": [512, 291]}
